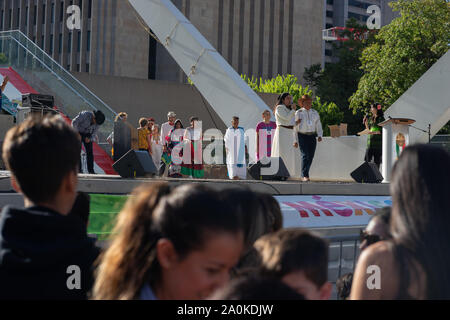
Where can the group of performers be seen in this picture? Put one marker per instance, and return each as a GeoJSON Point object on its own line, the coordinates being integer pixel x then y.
{"type": "Point", "coordinates": [292, 138]}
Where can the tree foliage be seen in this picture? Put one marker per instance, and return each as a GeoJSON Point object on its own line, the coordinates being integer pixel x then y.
{"type": "Point", "coordinates": [328, 111]}
{"type": "Point", "coordinates": [339, 80]}
{"type": "Point", "coordinates": [404, 50]}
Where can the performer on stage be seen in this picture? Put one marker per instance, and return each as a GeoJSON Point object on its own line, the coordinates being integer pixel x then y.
{"type": "Point", "coordinates": [165, 129]}
{"type": "Point", "coordinates": [235, 147]}
{"type": "Point", "coordinates": [157, 147]}
{"type": "Point", "coordinates": [193, 137]}
{"type": "Point", "coordinates": [86, 123]}
{"type": "Point", "coordinates": [283, 139]}
{"type": "Point", "coordinates": [307, 128]}
{"type": "Point", "coordinates": [264, 136]}
{"type": "Point", "coordinates": [374, 139]}
{"type": "Point", "coordinates": [173, 139]}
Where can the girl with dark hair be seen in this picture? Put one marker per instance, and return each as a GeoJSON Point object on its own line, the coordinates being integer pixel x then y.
{"type": "Point", "coordinates": [374, 140]}
{"type": "Point", "coordinates": [179, 246]}
{"type": "Point", "coordinates": [283, 139]}
{"type": "Point", "coordinates": [415, 264]}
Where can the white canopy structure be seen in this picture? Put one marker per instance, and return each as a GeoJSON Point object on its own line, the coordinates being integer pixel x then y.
{"type": "Point", "coordinates": [216, 80]}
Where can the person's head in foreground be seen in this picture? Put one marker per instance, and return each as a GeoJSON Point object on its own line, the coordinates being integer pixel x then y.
{"type": "Point", "coordinates": [256, 288]}
{"type": "Point", "coordinates": [299, 259]}
{"type": "Point", "coordinates": [377, 229]}
{"type": "Point", "coordinates": [43, 156]}
{"type": "Point", "coordinates": [177, 246]}
{"type": "Point", "coordinates": [44, 249]}
{"type": "Point", "coordinates": [344, 286]}
{"type": "Point", "coordinates": [258, 215]}
{"type": "Point", "coordinates": [415, 263]}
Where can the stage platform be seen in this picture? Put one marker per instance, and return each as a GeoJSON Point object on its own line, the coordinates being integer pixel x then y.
{"type": "Point", "coordinates": [108, 184]}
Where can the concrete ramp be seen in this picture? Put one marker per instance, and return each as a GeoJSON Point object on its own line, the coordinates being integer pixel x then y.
{"type": "Point", "coordinates": [427, 101]}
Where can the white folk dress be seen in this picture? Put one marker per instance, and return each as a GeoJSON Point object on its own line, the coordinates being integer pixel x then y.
{"type": "Point", "coordinates": [235, 143]}
{"type": "Point", "coordinates": [283, 141]}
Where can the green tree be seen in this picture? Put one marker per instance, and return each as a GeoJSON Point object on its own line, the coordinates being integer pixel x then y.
{"type": "Point", "coordinates": [339, 80]}
{"type": "Point", "coordinates": [328, 111]}
{"type": "Point", "coordinates": [404, 50]}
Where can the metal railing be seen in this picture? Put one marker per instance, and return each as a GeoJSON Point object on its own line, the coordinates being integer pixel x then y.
{"type": "Point", "coordinates": [39, 70]}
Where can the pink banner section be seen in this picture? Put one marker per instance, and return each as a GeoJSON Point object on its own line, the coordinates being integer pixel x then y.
{"type": "Point", "coordinates": [328, 211]}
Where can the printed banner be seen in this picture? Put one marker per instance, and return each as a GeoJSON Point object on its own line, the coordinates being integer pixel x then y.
{"type": "Point", "coordinates": [329, 211]}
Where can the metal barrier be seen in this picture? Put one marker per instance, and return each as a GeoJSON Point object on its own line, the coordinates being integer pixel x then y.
{"type": "Point", "coordinates": [346, 249]}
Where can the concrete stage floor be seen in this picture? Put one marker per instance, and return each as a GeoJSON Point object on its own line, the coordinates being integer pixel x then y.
{"type": "Point", "coordinates": [107, 184]}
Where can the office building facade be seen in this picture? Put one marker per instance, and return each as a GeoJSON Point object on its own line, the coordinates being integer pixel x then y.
{"type": "Point", "coordinates": [261, 38]}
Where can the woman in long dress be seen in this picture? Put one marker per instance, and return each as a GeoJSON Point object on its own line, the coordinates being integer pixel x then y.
{"type": "Point", "coordinates": [283, 139]}
{"type": "Point", "coordinates": [174, 138]}
{"type": "Point", "coordinates": [193, 137]}
{"type": "Point", "coordinates": [157, 147]}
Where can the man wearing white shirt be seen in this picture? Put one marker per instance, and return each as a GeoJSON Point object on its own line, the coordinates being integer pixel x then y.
{"type": "Point", "coordinates": [165, 130]}
{"type": "Point", "coordinates": [307, 128]}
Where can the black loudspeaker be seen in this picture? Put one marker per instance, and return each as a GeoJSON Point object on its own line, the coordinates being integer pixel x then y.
{"type": "Point", "coordinates": [282, 174]}
{"type": "Point", "coordinates": [135, 164]}
{"type": "Point", "coordinates": [367, 173]}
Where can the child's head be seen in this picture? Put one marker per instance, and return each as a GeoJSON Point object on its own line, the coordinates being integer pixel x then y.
{"type": "Point", "coordinates": [143, 122]}
{"type": "Point", "coordinates": [298, 258]}
{"type": "Point", "coordinates": [43, 157]}
{"type": "Point", "coordinates": [266, 115]}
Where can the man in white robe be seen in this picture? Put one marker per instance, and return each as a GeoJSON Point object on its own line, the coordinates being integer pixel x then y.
{"type": "Point", "coordinates": [235, 147]}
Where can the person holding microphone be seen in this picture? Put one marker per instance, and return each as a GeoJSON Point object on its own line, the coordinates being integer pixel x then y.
{"type": "Point", "coordinates": [374, 139]}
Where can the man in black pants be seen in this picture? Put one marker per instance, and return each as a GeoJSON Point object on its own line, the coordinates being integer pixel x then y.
{"type": "Point", "coordinates": [307, 128]}
{"type": "Point", "coordinates": [87, 123]}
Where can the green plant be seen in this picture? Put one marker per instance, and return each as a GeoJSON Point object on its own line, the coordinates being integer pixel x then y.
{"type": "Point", "coordinates": [329, 112]}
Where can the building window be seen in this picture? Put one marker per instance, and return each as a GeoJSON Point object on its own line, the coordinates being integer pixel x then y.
{"type": "Point", "coordinates": [35, 15]}
{"type": "Point", "coordinates": [60, 43]}
{"type": "Point", "coordinates": [328, 52]}
{"type": "Point", "coordinates": [87, 67]}
{"type": "Point", "coordinates": [69, 44]}
{"type": "Point", "coordinates": [18, 18]}
{"type": "Point", "coordinates": [79, 41]}
{"type": "Point", "coordinates": [328, 26]}
{"type": "Point", "coordinates": [53, 13]}
{"type": "Point", "coordinates": [51, 44]}
{"type": "Point", "coordinates": [1, 22]}
{"type": "Point", "coordinates": [43, 14]}
{"type": "Point", "coordinates": [90, 9]}
{"type": "Point", "coordinates": [88, 46]}
{"type": "Point", "coordinates": [26, 16]}
{"type": "Point", "coordinates": [78, 67]}
{"type": "Point", "coordinates": [42, 42]}
{"type": "Point", "coordinates": [329, 14]}
{"type": "Point", "coordinates": [330, 2]}
{"type": "Point", "coordinates": [10, 18]}
{"type": "Point", "coordinates": [61, 12]}
{"type": "Point", "coordinates": [68, 67]}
